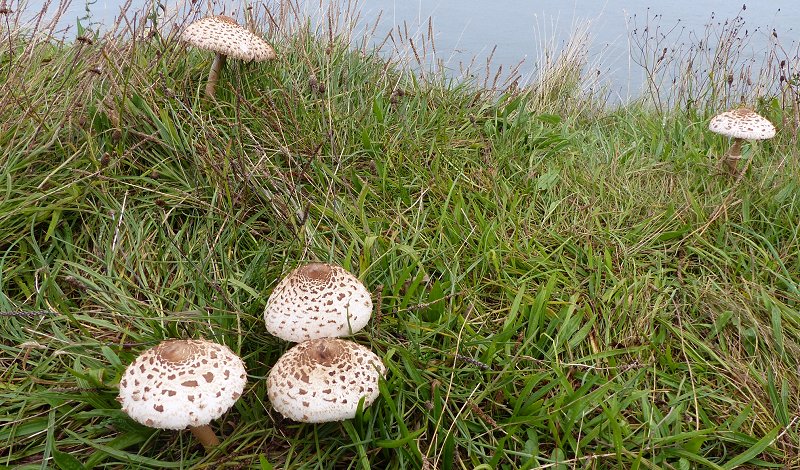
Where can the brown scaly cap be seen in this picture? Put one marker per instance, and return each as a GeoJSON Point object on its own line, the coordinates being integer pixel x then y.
{"type": "Point", "coordinates": [742, 123]}
{"type": "Point", "coordinates": [323, 380]}
{"type": "Point", "coordinates": [318, 300]}
{"type": "Point", "coordinates": [223, 35]}
{"type": "Point", "coordinates": [182, 383]}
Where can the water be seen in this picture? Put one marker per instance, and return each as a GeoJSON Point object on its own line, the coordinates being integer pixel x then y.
{"type": "Point", "coordinates": [522, 28]}
{"type": "Point", "coordinates": [516, 32]}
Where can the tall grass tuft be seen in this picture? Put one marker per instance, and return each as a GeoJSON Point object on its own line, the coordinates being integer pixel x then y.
{"type": "Point", "coordinates": [718, 67]}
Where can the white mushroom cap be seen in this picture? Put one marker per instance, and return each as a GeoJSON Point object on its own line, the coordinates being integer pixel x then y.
{"type": "Point", "coordinates": [742, 123]}
{"type": "Point", "coordinates": [323, 380]}
{"type": "Point", "coordinates": [182, 383]}
{"type": "Point", "coordinates": [317, 300]}
{"type": "Point", "coordinates": [223, 35]}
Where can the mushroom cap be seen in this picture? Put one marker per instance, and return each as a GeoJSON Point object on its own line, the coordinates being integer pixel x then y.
{"type": "Point", "coordinates": [181, 383]}
{"type": "Point", "coordinates": [742, 123]}
{"type": "Point", "coordinates": [223, 35]}
{"type": "Point", "coordinates": [318, 300]}
{"type": "Point", "coordinates": [322, 380]}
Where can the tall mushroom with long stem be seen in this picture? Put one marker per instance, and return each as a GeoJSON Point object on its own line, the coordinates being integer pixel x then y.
{"type": "Point", "coordinates": [225, 38]}
{"type": "Point", "coordinates": [183, 383]}
{"type": "Point", "coordinates": [740, 124]}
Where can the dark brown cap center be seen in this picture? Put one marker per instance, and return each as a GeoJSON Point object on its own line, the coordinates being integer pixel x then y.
{"type": "Point", "coordinates": [320, 272]}
{"type": "Point", "coordinates": [327, 352]}
{"type": "Point", "coordinates": [226, 19]}
{"type": "Point", "coordinates": [175, 351]}
{"type": "Point", "coordinates": [743, 112]}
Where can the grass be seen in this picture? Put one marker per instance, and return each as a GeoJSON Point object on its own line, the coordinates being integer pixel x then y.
{"type": "Point", "coordinates": [557, 284]}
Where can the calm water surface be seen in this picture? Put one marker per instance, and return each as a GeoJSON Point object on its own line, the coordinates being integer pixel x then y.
{"type": "Point", "coordinates": [520, 29]}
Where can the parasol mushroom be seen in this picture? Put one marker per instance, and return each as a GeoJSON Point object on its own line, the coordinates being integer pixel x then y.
{"type": "Point", "coordinates": [223, 36]}
{"type": "Point", "coordinates": [183, 383]}
{"type": "Point", "coordinates": [740, 124]}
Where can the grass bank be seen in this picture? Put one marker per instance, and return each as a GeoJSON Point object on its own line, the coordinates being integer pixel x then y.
{"type": "Point", "coordinates": [557, 284]}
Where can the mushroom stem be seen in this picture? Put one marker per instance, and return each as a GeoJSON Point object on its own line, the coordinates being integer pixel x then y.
{"type": "Point", "coordinates": [213, 75]}
{"type": "Point", "coordinates": [733, 157]}
{"type": "Point", "coordinates": [205, 435]}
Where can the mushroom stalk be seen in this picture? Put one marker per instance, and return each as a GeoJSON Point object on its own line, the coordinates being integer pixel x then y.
{"type": "Point", "coordinates": [213, 75]}
{"type": "Point", "coordinates": [205, 435]}
{"type": "Point", "coordinates": [733, 156]}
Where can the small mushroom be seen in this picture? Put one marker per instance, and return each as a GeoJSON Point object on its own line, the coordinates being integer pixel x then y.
{"type": "Point", "coordinates": [323, 380]}
{"type": "Point", "coordinates": [318, 300]}
{"type": "Point", "coordinates": [183, 383]}
{"type": "Point", "coordinates": [224, 37]}
{"type": "Point", "coordinates": [740, 124]}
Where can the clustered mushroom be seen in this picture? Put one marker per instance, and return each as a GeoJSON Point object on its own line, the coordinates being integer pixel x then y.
{"type": "Point", "coordinates": [322, 378]}
{"type": "Point", "coordinates": [740, 124]}
{"type": "Point", "coordinates": [183, 383]}
{"type": "Point", "coordinates": [223, 36]}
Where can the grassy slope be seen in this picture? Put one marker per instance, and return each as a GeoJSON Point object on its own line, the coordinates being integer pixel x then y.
{"type": "Point", "coordinates": [551, 285]}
